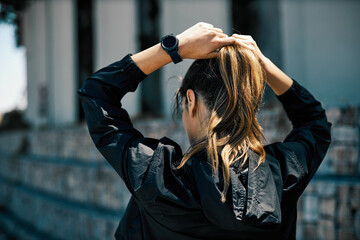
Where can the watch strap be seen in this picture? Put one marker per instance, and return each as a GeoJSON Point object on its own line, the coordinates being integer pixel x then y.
{"type": "Point", "coordinates": [175, 56]}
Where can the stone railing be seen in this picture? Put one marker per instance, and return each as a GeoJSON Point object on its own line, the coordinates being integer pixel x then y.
{"type": "Point", "coordinates": [55, 185]}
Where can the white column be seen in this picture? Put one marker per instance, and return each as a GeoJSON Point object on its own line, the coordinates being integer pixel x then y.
{"type": "Point", "coordinates": [50, 54]}
{"type": "Point", "coordinates": [176, 17]}
{"type": "Point", "coordinates": [114, 37]}
{"type": "Point", "coordinates": [61, 49]}
{"type": "Point", "coordinates": [36, 58]}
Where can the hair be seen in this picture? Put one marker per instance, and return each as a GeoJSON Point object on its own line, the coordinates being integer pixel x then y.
{"type": "Point", "coordinates": [231, 86]}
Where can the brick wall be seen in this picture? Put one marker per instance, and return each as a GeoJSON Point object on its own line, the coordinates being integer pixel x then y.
{"type": "Point", "coordinates": [330, 206]}
{"type": "Point", "coordinates": [55, 185]}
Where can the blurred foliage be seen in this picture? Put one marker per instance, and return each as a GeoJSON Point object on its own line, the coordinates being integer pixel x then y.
{"type": "Point", "coordinates": [10, 13]}
{"type": "Point", "coordinates": [13, 120]}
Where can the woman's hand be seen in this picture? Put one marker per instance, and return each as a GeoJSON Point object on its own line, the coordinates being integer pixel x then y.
{"type": "Point", "coordinates": [248, 42]}
{"type": "Point", "coordinates": [277, 79]}
{"type": "Point", "coordinates": [198, 42]}
{"type": "Point", "coordinates": [202, 40]}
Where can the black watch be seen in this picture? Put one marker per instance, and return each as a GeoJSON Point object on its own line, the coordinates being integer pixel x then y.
{"type": "Point", "coordinates": [170, 44]}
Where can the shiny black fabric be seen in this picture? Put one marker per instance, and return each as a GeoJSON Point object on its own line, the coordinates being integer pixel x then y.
{"type": "Point", "coordinates": [185, 204]}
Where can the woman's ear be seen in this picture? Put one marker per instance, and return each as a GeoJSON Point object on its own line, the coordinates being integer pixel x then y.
{"type": "Point", "coordinates": [191, 100]}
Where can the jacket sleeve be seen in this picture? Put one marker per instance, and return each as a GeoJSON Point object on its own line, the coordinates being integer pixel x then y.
{"type": "Point", "coordinates": [109, 124]}
{"type": "Point", "coordinates": [303, 150]}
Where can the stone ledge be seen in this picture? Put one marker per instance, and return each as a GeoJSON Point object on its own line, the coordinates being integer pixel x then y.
{"type": "Point", "coordinates": [96, 185]}
{"type": "Point", "coordinates": [19, 229]}
{"type": "Point", "coordinates": [71, 221]}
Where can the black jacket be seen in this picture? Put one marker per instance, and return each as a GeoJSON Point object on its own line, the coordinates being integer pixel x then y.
{"type": "Point", "coordinates": [185, 204]}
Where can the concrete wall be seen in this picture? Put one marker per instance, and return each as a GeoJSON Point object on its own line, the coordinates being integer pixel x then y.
{"type": "Point", "coordinates": [320, 48]}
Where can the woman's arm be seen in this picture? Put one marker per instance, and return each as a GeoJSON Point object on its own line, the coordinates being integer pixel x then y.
{"type": "Point", "coordinates": [275, 78]}
{"type": "Point", "coordinates": [197, 42]}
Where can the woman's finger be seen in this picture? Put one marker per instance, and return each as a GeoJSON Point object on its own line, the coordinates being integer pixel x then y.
{"type": "Point", "coordinates": [241, 35]}
{"type": "Point", "coordinates": [226, 41]}
{"type": "Point", "coordinates": [221, 35]}
{"type": "Point", "coordinates": [246, 41]}
{"type": "Point", "coordinates": [248, 37]}
{"type": "Point", "coordinates": [213, 54]}
{"type": "Point", "coordinates": [217, 30]}
{"type": "Point", "coordinates": [243, 44]}
{"type": "Point", "coordinates": [205, 24]}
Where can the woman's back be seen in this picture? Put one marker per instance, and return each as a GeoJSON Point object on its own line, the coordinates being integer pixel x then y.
{"type": "Point", "coordinates": [177, 199]}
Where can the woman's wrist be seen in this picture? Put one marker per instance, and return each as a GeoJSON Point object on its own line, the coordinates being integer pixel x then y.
{"type": "Point", "coordinates": [264, 61]}
{"type": "Point", "coordinates": [275, 78]}
{"type": "Point", "coordinates": [151, 59]}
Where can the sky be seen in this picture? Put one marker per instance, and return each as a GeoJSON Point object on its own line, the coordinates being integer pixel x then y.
{"type": "Point", "coordinates": [12, 71]}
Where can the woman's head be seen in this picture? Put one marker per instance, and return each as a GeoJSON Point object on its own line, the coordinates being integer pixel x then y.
{"type": "Point", "coordinates": [221, 97]}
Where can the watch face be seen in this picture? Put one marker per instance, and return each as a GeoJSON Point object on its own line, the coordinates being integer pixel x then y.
{"type": "Point", "coordinates": [169, 41]}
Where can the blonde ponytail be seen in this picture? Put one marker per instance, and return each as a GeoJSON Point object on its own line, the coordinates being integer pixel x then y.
{"type": "Point", "coordinates": [231, 87]}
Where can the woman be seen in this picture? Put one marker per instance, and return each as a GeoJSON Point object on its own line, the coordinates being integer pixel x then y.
{"type": "Point", "coordinates": [227, 185]}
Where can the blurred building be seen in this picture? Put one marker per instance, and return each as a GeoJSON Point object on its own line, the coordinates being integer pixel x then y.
{"type": "Point", "coordinates": [53, 182]}
{"type": "Point", "coordinates": [315, 42]}
{"type": "Point", "coordinates": [67, 40]}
